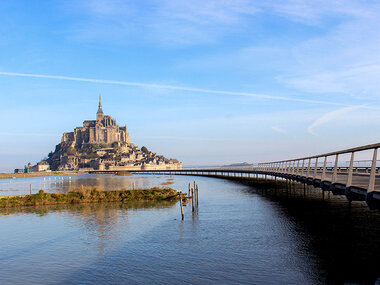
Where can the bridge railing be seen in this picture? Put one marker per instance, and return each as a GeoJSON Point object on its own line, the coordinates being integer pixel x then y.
{"type": "Point", "coordinates": [316, 167]}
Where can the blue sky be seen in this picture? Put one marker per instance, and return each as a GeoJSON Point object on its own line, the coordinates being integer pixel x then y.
{"type": "Point", "coordinates": [218, 81]}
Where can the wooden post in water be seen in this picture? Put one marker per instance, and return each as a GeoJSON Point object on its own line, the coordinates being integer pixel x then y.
{"type": "Point", "coordinates": [197, 197]}
{"type": "Point", "coordinates": [133, 185]}
{"type": "Point", "coordinates": [180, 203]}
{"type": "Point", "coordinates": [189, 189]}
{"type": "Point", "coordinates": [30, 189]}
{"type": "Point", "coordinates": [192, 199]}
{"type": "Point", "coordinates": [195, 194]}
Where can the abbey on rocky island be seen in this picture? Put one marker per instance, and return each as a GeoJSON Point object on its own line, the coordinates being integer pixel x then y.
{"type": "Point", "coordinates": [103, 130]}
{"type": "Point", "coordinates": [101, 144]}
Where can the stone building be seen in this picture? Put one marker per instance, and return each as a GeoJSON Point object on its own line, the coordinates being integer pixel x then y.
{"type": "Point", "coordinates": [103, 130]}
{"type": "Point", "coordinates": [101, 144]}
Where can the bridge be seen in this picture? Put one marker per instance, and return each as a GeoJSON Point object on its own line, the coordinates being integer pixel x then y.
{"type": "Point", "coordinates": [357, 183]}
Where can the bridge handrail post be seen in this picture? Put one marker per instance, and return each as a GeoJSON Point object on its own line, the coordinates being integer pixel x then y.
{"type": "Point", "coordinates": [294, 165]}
{"type": "Point", "coordinates": [303, 167]}
{"type": "Point", "coordinates": [335, 173]}
{"type": "Point", "coordinates": [324, 169]}
{"type": "Point", "coordinates": [298, 166]}
{"type": "Point", "coordinates": [350, 171]}
{"type": "Point", "coordinates": [371, 183]}
{"type": "Point", "coordinates": [315, 168]}
{"type": "Point", "coordinates": [308, 168]}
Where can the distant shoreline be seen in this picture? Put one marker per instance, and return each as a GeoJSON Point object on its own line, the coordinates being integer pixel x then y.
{"type": "Point", "coordinates": [36, 174]}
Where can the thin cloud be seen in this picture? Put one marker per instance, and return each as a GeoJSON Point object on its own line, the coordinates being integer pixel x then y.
{"type": "Point", "coordinates": [278, 129]}
{"type": "Point", "coordinates": [164, 22]}
{"type": "Point", "coordinates": [171, 87]}
{"type": "Point", "coordinates": [331, 116]}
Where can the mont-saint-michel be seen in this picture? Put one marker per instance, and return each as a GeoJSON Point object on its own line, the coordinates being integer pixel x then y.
{"type": "Point", "coordinates": [102, 144]}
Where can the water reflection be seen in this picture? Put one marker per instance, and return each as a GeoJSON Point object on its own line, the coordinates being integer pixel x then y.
{"type": "Point", "coordinates": [344, 236]}
{"type": "Point", "coordinates": [240, 234]}
{"type": "Point", "coordinates": [64, 184]}
{"type": "Point", "coordinates": [88, 209]}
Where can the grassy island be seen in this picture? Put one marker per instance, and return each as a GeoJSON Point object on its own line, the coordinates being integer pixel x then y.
{"type": "Point", "coordinates": [88, 196]}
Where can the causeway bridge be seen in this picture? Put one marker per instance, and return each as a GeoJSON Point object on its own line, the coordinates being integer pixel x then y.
{"type": "Point", "coordinates": [325, 171]}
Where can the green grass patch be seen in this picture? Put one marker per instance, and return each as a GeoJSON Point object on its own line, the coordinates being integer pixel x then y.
{"type": "Point", "coordinates": [89, 196]}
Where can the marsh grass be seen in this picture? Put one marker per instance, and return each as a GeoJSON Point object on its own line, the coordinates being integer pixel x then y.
{"type": "Point", "coordinates": [167, 183]}
{"type": "Point", "coordinates": [88, 195]}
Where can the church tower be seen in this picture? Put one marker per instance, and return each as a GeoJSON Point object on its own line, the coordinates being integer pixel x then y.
{"type": "Point", "coordinates": [100, 114]}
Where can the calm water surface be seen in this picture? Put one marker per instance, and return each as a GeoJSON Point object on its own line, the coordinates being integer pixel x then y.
{"type": "Point", "coordinates": [240, 235]}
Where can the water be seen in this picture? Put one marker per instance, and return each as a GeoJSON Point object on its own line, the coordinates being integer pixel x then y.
{"type": "Point", "coordinates": [63, 184]}
{"type": "Point", "coordinates": [240, 235]}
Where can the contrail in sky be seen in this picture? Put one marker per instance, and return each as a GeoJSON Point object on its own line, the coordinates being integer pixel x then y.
{"type": "Point", "coordinates": [171, 87]}
{"type": "Point", "coordinates": [331, 116]}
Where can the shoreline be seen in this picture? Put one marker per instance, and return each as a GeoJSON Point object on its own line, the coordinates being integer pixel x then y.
{"type": "Point", "coordinates": [37, 174]}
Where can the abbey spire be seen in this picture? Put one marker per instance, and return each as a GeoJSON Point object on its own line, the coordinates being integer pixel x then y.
{"type": "Point", "coordinates": [100, 114]}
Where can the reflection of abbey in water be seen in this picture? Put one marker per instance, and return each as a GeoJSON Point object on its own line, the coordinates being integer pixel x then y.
{"type": "Point", "coordinates": [101, 144]}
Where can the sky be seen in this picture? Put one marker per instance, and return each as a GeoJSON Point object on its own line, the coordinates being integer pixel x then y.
{"type": "Point", "coordinates": [207, 82]}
